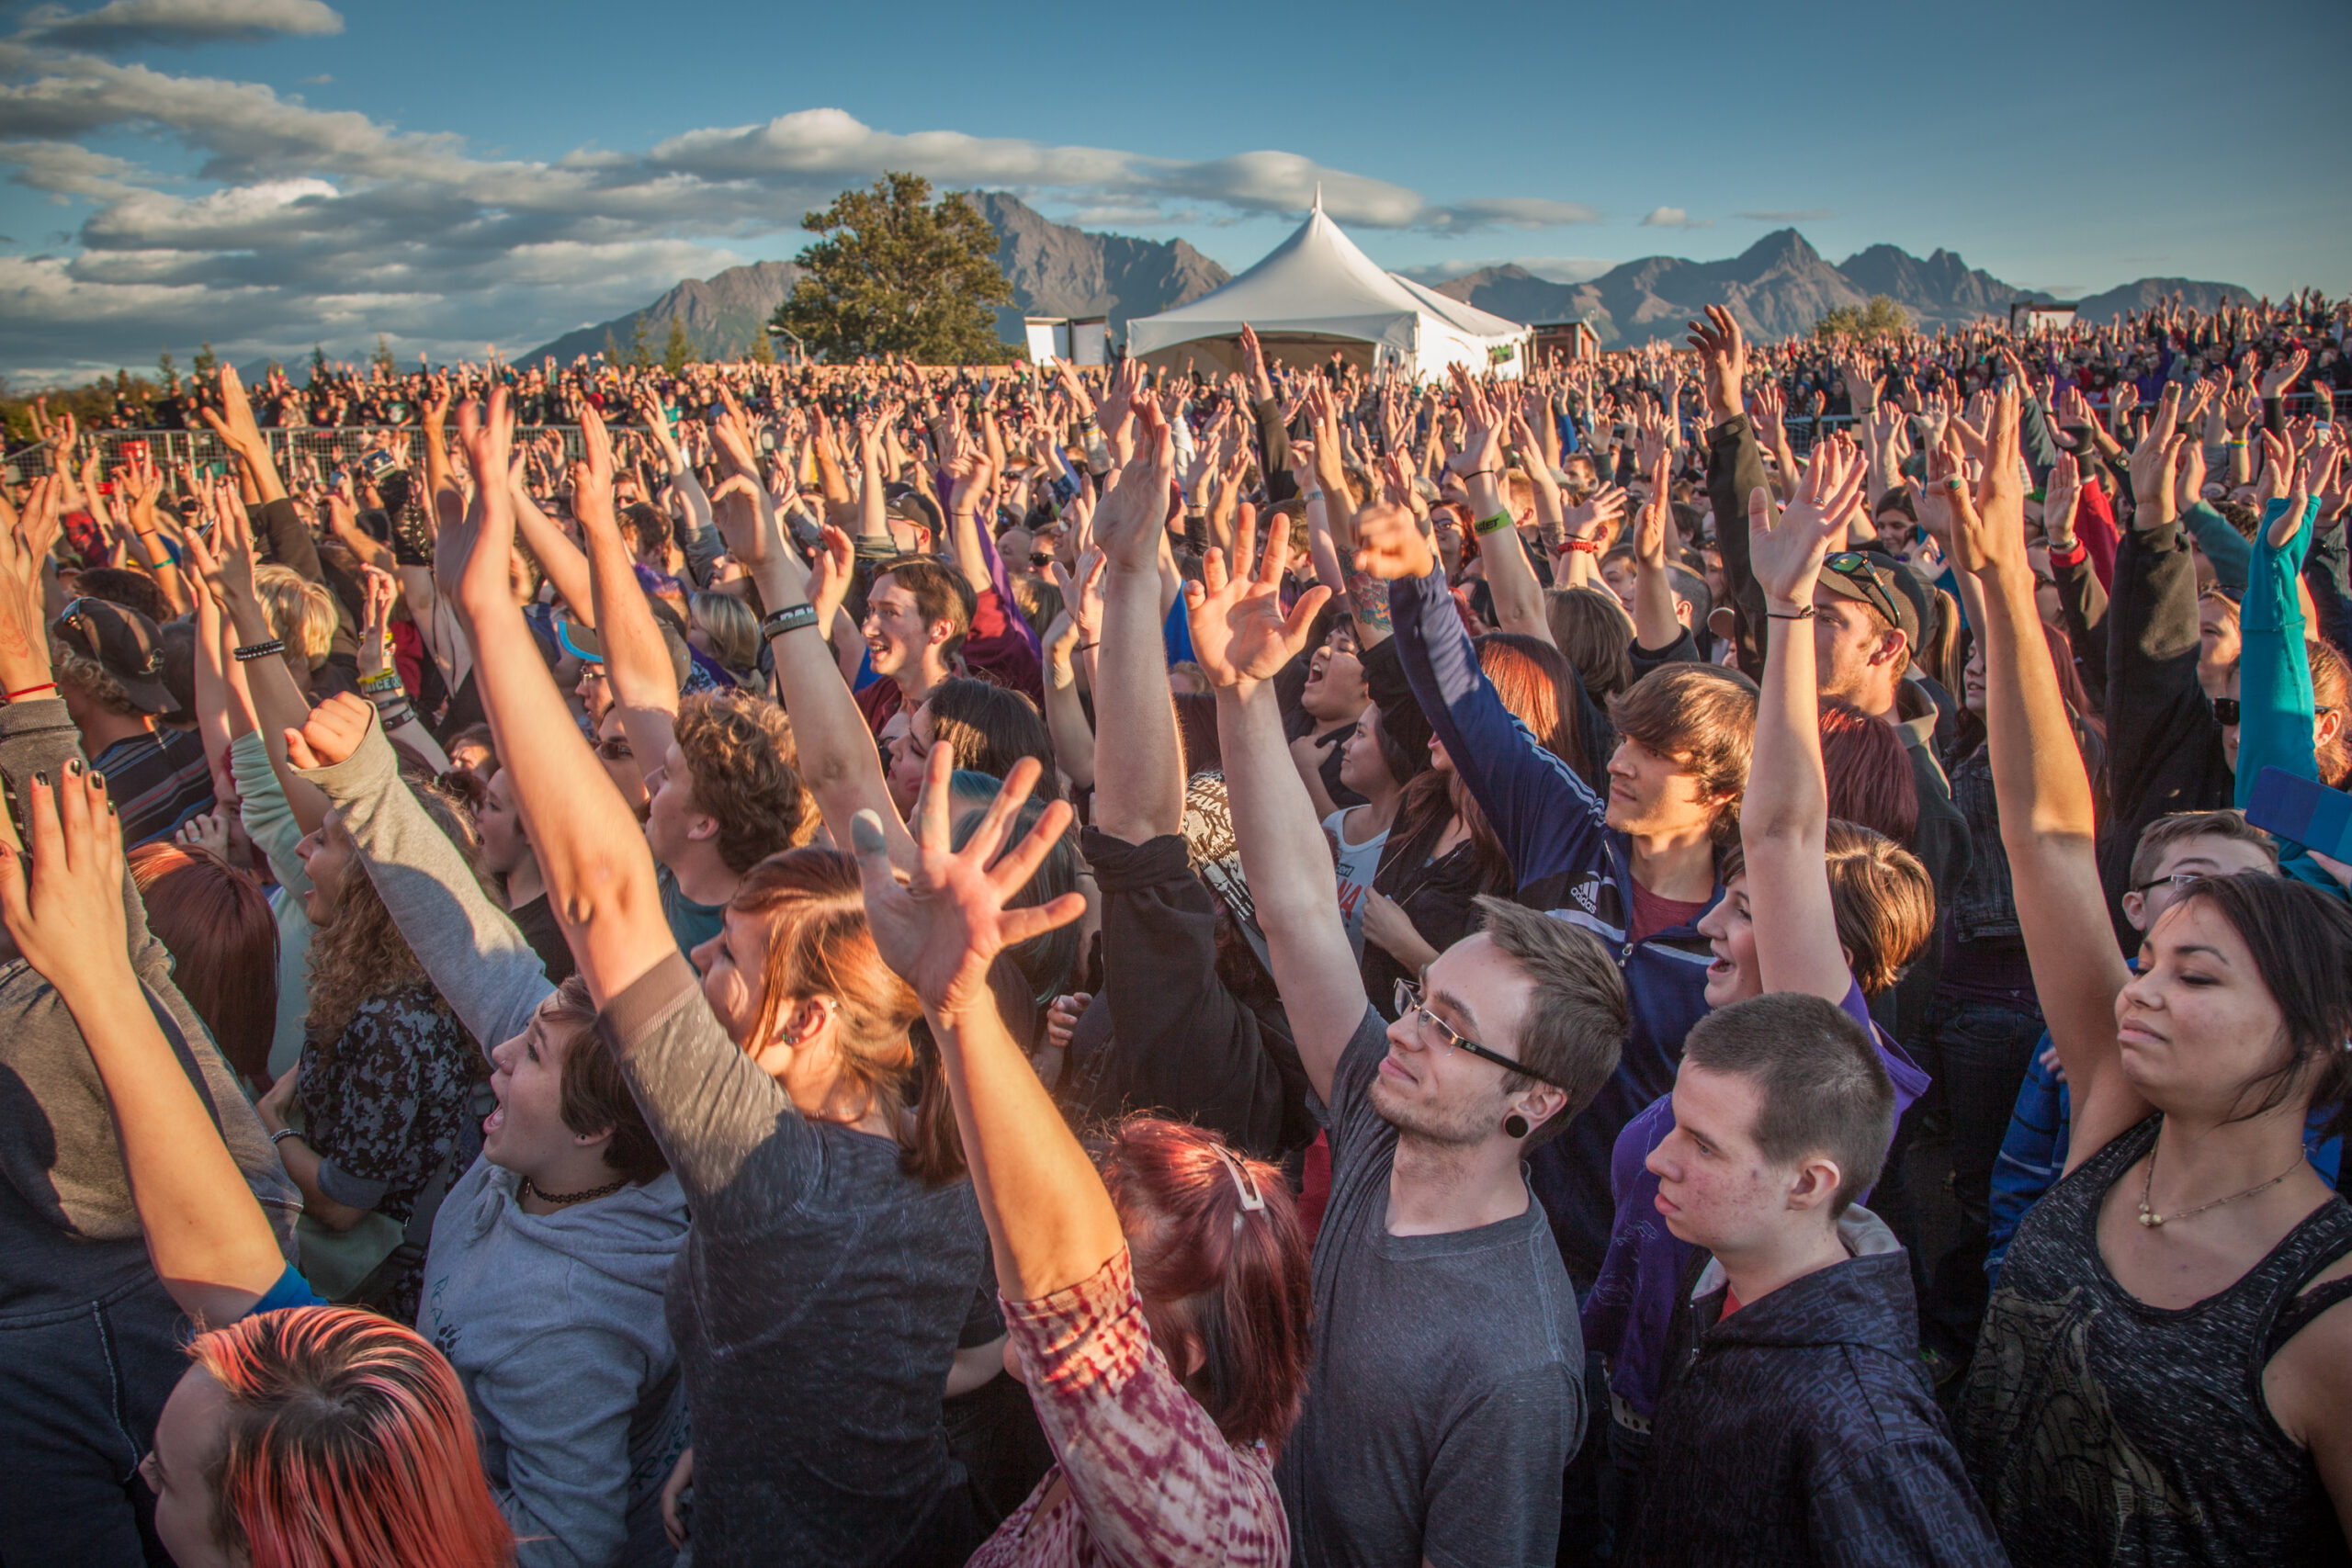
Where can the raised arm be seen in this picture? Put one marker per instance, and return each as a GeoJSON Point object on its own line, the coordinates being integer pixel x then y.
{"type": "Point", "coordinates": [1138, 779]}
{"type": "Point", "coordinates": [1242, 639]}
{"type": "Point", "coordinates": [636, 661]}
{"type": "Point", "coordinates": [471, 951]}
{"type": "Point", "coordinates": [2043, 794]}
{"type": "Point", "coordinates": [599, 874]}
{"type": "Point", "coordinates": [1051, 1224]}
{"type": "Point", "coordinates": [1784, 818]}
{"type": "Point", "coordinates": [206, 1235]}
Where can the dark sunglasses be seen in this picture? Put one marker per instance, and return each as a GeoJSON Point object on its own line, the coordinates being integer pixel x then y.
{"type": "Point", "coordinates": [2225, 712]}
{"type": "Point", "coordinates": [1410, 1006]}
{"type": "Point", "coordinates": [1856, 570]}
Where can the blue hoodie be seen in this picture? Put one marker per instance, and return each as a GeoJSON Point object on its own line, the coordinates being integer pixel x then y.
{"type": "Point", "coordinates": [1570, 862]}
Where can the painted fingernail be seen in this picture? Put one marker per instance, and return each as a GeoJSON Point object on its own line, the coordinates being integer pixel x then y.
{"type": "Point", "coordinates": [73, 767]}
{"type": "Point", "coordinates": [41, 778]}
{"type": "Point", "coordinates": [97, 779]}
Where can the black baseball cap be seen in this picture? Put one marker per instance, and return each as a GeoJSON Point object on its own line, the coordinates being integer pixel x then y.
{"type": "Point", "coordinates": [123, 643]}
{"type": "Point", "coordinates": [1871, 579]}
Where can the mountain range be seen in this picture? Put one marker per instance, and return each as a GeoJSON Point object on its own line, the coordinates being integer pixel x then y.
{"type": "Point", "coordinates": [1781, 285]}
{"type": "Point", "coordinates": [1054, 270]}
{"type": "Point", "coordinates": [1777, 287]}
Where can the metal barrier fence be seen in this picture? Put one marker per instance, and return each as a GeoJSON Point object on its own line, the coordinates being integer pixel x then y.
{"type": "Point", "coordinates": [296, 451]}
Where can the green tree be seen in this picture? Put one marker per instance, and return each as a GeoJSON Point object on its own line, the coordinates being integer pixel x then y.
{"type": "Point", "coordinates": [762, 351]}
{"type": "Point", "coordinates": [206, 365]}
{"type": "Point", "coordinates": [1879, 318]}
{"type": "Point", "coordinates": [679, 351]}
{"type": "Point", "coordinates": [167, 370]}
{"type": "Point", "coordinates": [612, 349]}
{"type": "Point", "coordinates": [899, 274]}
{"type": "Point", "coordinates": [641, 346]}
{"type": "Point", "coordinates": [382, 358]}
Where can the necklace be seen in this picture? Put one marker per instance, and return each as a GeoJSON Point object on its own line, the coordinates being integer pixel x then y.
{"type": "Point", "coordinates": [565, 1199]}
{"type": "Point", "coordinates": [2150, 1218]}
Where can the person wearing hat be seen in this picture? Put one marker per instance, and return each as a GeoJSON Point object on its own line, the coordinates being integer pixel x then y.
{"type": "Point", "coordinates": [109, 669]}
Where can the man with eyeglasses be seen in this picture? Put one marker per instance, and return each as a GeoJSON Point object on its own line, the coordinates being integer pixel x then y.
{"type": "Point", "coordinates": [109, 664]}
{"type": "Point", "coordinates": [1445, 1396]}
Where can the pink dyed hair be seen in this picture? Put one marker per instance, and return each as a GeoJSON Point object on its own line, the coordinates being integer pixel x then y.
{"type": "Point", "coordinates": [350, 1446]}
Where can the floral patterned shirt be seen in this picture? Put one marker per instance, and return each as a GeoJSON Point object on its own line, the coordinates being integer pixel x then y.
{"type": "Point", "coordinates": [1151, 1482]}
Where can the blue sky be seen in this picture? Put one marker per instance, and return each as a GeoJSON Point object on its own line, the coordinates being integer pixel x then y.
{"type": "Point", "coordinates": [272, 172]}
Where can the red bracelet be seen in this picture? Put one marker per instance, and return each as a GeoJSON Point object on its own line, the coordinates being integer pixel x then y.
{"type": "Point", "coordinates": [28, 691]}
{"type": "Point", "coordinates": [1589, 546]}
{"type": "Point", "coordinates": [2070, 558]}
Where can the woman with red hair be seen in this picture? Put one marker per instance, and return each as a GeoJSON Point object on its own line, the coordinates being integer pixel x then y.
{"type": "Point", "coordinates": [223, 941]}
{"type": "Point", "coordinates": [1158, 1305]}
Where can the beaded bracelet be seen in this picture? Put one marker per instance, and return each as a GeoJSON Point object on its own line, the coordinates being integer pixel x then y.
{"type": "Point", "coordinates": [254, 650]}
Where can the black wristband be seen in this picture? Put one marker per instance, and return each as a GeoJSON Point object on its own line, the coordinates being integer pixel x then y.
{"type": "Point", "coordinates": [1804, 615]}
{"type": "Point", "coordinates": [254, 650]}
{"type": "Point", "coordinates": [791, 618]}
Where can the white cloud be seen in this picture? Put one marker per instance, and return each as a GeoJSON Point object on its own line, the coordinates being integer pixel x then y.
{"type": "Point", "coordinates": [1552, 269]}
{"type": "Point", "coordinates": [123, 22]}
{"type": "Point", "coordinates": [301, 221]}
{"type": "Point", "coordinates": [1674, 218]}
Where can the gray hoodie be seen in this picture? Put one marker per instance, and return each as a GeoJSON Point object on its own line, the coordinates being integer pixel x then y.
{"type": "Point", "coordinates": [554, 1324]}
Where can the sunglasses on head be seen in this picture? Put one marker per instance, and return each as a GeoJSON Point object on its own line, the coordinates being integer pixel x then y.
{"type": "Point", "coordinates": [1856, 568]}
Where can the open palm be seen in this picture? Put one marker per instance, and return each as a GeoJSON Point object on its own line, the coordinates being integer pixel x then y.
{"type": "Point", "coordinates": [1239, 632]}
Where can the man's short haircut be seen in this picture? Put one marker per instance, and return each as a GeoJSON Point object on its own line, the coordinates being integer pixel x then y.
{"type": "Point", "coordinates": [298, 610]}
{"type": "Point", "coordinates": [941, 593]}
{"type": "Point", "coordinates": [739, 749]}
{"type": "Point", "coordinates": [1703, 716]}
{"type": "Point", "coordinates": [2159, 836]}
{"type": "Point", "coordinates": [1577, 1021]}
{"type": "Point", "coordinates": [649, 531]}
{"type": "Point", "coordinates": [1691, 589]}
{"type": "Point", "coordinates": [1825, 1089]}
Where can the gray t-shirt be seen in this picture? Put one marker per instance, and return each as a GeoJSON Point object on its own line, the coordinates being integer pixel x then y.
{"type": "Point", "coordinates": [816, 1303]}
{"type": "Point", "coordinates": [1446, 1394]}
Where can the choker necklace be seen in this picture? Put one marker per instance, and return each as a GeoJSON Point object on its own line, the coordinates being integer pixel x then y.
{"type": "Point", "coordinates": [565, 1199]}
{"type": "Point", "coordinates": [2150, 1218]}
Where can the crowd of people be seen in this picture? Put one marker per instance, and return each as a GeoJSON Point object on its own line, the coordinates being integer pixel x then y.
{"type": "Point", "coordinates": [1673, 959]}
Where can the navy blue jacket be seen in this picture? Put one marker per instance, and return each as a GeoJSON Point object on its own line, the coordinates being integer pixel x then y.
{"type": "Point", "coordinates": [1570, 862]}
{"type": "Point", "coordinates": [1803, 1429]}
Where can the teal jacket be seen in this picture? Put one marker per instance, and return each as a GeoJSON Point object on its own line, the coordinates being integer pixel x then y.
{"type": "Point", "coordinates": [2275, 703]}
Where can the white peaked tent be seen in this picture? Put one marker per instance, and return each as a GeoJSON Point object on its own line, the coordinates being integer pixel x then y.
{"type": "Point", "coordinates": [1316, 294]}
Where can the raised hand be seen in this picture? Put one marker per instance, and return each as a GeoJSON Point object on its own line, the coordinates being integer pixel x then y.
{"type": "Point", "coordinates": [1988, 529]}
{"type": "Point", "coordinates": [1788, 545]}
{"type": "Point", "coordinates": [376, 629]}
{"type": "Point", "coordinates": [1239, 632]}
{"type": "Point", "coordinates": [1604, 507]}
{"type": "Point", "coordinates": [941, 928]}
{"type": "Point", "coordinates": [2058, 499]}
{"type": "Point", "coordinates": [2283, 374]}
{"type": "Point", "coordinates": [66, 914]}
{"type": "Point", "coordinates": [1723, 362]}
{"type": "Point", "coordinates": [470, 555]}
{"type": "Point", "coordinates": [1128, 523]}
{"type": "Point", "coordinates": [2154, 462]}
{"type": "Point", "coordinates": [25, 539]}
{"type": "Point", "coordinates": [332, 733]}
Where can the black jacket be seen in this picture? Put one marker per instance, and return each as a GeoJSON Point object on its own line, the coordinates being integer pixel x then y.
{"type": "Point", "coordinates": [2163, 744]}
{"type": "Point", "coordinates": [1803, 1429]}
{"type": "Point", "coordinates": [1165, 1034]}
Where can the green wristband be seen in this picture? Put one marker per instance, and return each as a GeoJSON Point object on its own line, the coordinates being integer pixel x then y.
{"type": "Point", "coordinates": [1495, 524]}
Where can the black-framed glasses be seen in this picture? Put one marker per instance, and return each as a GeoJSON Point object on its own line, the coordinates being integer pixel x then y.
{"type": "Point", "coordinates": [1409, 1005]}
{"type": "Point", "coordinates": [2179, 882]}
{"type": "Point", "coordinates": [2225, 712]}
{"type": "Point", "coordinates": [1856, 568]}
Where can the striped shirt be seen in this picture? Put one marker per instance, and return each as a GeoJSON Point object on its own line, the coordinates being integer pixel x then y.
{"type": "Point", "coordinates": [157, 781]}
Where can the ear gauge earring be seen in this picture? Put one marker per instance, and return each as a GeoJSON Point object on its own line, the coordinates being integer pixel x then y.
{"type": "Point", "coordinates": [1514, 1126]}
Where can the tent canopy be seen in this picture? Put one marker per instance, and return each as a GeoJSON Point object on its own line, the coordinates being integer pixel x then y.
{"type": "Point", "coordinates": [1314, 295]}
